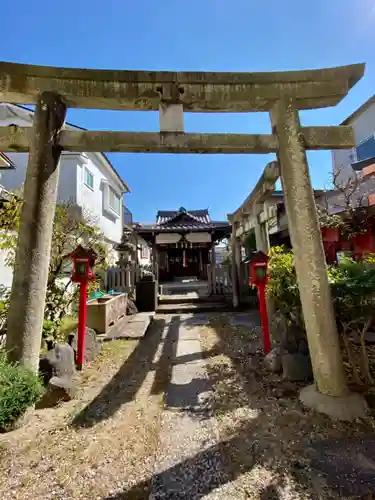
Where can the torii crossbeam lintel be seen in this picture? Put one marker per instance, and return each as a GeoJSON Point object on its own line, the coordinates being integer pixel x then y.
{"type": "Point", "coordinates": [13, 139]}
{"type": "Point", "coordinates": [196, 91]}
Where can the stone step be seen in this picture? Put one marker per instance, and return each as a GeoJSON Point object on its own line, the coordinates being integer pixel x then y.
{"type": "Point", "coordinates": [130, 327]}
{"type": "Point", "coordinates": [185, 307]}
{"type": "Point", "coordinates": [191, 299]}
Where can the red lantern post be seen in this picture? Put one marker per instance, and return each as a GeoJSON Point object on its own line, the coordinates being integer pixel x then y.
{"type": "Point", "coordinates": [259, 278]}
{"type": "Point", "coordinates": [83, 272]}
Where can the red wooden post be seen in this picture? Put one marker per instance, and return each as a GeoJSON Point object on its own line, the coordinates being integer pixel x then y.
{"type": "Point", "coordinates": [83, 261]}
{"type": "Point", "coordinates": [259, 278]}
{"type": "Point", "coordinates": [264, 317]}
{"type": "Point", "coordinates": [82, 308]}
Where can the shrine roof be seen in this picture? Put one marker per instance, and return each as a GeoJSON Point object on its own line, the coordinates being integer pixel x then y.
{"type": "Point", "coordinates": [164, 216]}
{"type": "Point", "coordinates": [183, 220]}
{"type": "Point", "coordinates": [183, 226]}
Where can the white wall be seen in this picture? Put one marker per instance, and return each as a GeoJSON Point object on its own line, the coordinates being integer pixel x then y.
{"type": "Point", "coordinates": [72, 188]}
{"type": "Point", "coordinates": [92, 200]}
{"type": "Point", "coordinates": [144, 260]}
{"type": "Point", "coordinates": [6, 272]}
{"type": "Point", "coordinates": [363, 126]}
{"type": "Point", "coordinates": [67, 187]}
{"type": "Point", "coordinates": [71, 183]}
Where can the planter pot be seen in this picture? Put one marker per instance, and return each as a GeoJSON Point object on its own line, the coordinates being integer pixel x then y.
{"type": "Point", "coordinates": [363, 243]}
{"type": "Point", "coordinates": [330, 234]}
{"type": "Point", "coordinates": [104, 312]}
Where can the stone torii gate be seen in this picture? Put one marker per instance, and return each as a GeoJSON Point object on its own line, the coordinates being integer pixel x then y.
{"type": "Point", "coordinates": [246, 217]}
{"type": "Point", "coordinates": [282, 94]}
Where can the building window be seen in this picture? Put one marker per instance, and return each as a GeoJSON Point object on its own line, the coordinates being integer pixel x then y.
{"type": "Point", "coordinates": [114, 201]}
{"type": "Point", "coordinates": [366, 149]}
{"type": "Point", "coordinates": [89, 179]}
{"type": "Point", "coordinates": [144, 252]}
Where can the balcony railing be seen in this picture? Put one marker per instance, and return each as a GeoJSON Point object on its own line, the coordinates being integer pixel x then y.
{"type": "Point", "coordinates": [127, 217]}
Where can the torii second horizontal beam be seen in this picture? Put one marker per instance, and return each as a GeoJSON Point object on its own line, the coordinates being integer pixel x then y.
{"type": "Point", "coordinates": [14, 138]}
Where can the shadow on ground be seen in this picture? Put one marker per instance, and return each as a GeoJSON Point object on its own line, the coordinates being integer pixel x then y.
{"type": "Point", "coordinates": [163, 368]}
{"type": "Point", "coordinates": [124, 386]}
{"type": "Point", "coordinates": [274, 434]}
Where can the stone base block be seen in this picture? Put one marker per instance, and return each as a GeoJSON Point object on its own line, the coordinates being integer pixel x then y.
{"type": "Point", "coordinates": [347, 407]}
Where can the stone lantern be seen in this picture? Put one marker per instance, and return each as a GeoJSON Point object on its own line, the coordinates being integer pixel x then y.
{"type": "Point", "coordinates": [126, 249]}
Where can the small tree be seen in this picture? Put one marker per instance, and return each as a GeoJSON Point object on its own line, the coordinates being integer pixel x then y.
{"type": "Point", "coordinates": [351, 213]}
{"type": "Point", "coordinates": [249, 242]}
{"type": "Point", "coordinates": [70, 228]}
{"type": "Point", "coordinates": [282, 286]}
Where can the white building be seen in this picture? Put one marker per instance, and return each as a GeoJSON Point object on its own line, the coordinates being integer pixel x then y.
{"type": "Point", "coordinates": [87, 180]}
{"type": "Point", "coordinates": [143, 252]}
{"type": "Point", "coordinates": [363, 155]}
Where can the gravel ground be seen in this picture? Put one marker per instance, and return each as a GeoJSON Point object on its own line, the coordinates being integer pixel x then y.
{"type": "Point", "coordinates": [263, 427]}
{"type": "Point", "coordinates": [119, 441]}
{"type": "Point", "coordinates": [98, 444]}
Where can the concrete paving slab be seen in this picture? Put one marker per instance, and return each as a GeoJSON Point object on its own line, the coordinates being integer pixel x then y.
{"type": "Point", "coordinates": [134, 328]}
{"type": "Point", "coordinates": [187, 347]}
{"type": "Point", "coordinates": [142, 316]}
{"type": "Point", "coordinates": [189, 464]}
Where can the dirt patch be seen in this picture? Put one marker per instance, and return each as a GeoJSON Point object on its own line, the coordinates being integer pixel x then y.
{"type": "Point", "coordinates": [100, 443]}
{"type": "Point", "coordinates": [263, 427]}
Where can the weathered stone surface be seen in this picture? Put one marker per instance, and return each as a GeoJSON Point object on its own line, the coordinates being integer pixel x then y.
{"type": "Point", "coordinates": [348, 407]}
{"type": "Point", "coordinates": [104, 312]}
{"type": "Point", "coordinates": [296, 366]}
{"type": "Point", "coordinates": [294, 339]}
{"type": "Point", "coordinates": [309, 258]}
{"type": "Point", "coordinates": [32, 258]}
{"type": "Point", "coordinates": [92, 345]}
{"type": "Point", "coordinates": [134, 327]}
{"type": "Point", "coordinates": [131, 308]}
{"type": "Point", "coordinates": [278, 327]}
{"type": "Point", "coordinates": [272, 361]}
{"type": "Point", "coordinates": [201, 91]}
{"type": "Point", "coordinates": [59, 389]}
{"type": "Point", "coordinates": [59, 362]}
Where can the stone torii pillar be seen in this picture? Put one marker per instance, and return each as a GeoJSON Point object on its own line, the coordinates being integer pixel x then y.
{"type": "Point", "coordinates": [261, 239]}
{"type": "Point", "coordinates": [213, 267]}
{"type": "Point", "coordinates": [331, 394]}
{"type": "Point", "coordinates": [235, 268]}
{"type": "Point", "coordinates": [155, 261]}
{"type": "Point", "coordinates": [28, 296]}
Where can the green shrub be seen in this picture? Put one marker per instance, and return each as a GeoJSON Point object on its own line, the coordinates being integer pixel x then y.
{"type": "Point", "coordinates": [4, 306]}
{"type": "Point", "coordinates": [19, 389]}
{"type": "Point", "coordinates": [282, 286]}
{"type": "Point", "coordinates": [353, 294]}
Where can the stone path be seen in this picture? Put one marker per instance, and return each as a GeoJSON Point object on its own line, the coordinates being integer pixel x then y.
{"type": "Point", "coordinates": [189, 463]}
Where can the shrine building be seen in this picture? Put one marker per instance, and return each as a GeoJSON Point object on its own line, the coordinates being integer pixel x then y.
{"type": "Point", "coordinates": [183, 242]}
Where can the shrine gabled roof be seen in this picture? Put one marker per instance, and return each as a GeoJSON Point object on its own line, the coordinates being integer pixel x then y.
{"type": "Point", "coordinates": [183, 226]}
{"type": "Point", "coordinates": [166, 216]}
{"type": "Point", "coordinates": [183, 220]}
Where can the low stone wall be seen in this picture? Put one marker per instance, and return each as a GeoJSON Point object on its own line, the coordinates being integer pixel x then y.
{"type": "Point", "coordinates": [104, 312]}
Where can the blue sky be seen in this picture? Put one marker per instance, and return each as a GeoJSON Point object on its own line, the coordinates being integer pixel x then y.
{"type": "Point", "coordinates": [206, 35]}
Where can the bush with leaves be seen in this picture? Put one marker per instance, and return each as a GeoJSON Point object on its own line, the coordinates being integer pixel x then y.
{"type": "Point", "coordinates": [19, 389]}
{"type": "Point", "coordinates": [282, 286]}
{"type": "Point", "coordinates": [4, 305]}
{"type": "Point", "coordinates": [353, 291]}
{"type": "Point", "coordinates": [70, 228]}
{"type": "Point", "coordinates": [353, 294]}
{"type": "Point", "coordinates": [350, 213]}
